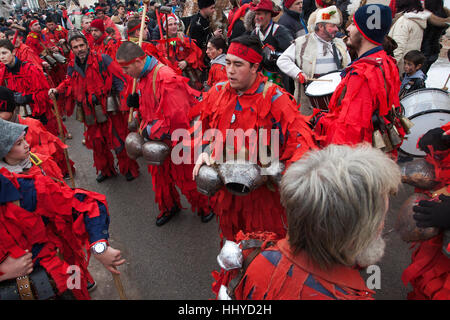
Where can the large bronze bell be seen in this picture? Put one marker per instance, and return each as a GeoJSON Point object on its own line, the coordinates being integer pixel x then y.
{"type": "Point", "coordinates": [240, 178]}
{"type": "Point", "coordinates": [133, 145]}
{"type": "Point", "coordinates": [59, 57]}
{"type": "Point", "coordinates": [418, 173]}
{"type": "Point", "coordinates": [100, 115]}
{"type": "Point", "coordinates": [406, 225]}
{"type": "Point", "coordinates": [208, 180]}
{"type": "Point", "coordinates": [112, 103]}
{"type": "Point", "coordinates": [155, 152]}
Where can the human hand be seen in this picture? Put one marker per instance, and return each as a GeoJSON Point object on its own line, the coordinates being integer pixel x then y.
{"type": "Point", "coordinates": [433, 213]}
{"type": "Point", "coordinates": [52, 93]}
{"type": "Point", "coordinates": [14, 268]}
{"type": "Point", "coordinates": [111, 258]}
{"type": "Point", "coordinates": [202, 158]}
{"type": "Point", "coordinates": [182, 65]}
{"type": "Point", "coordinates": [435, 137]}
{"type": "Point", "coordinates": [218, 33]}
{"type": "Point", "coordinates": [301, 78]}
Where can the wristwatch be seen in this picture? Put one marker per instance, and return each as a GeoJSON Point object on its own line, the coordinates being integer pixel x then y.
{"type": "Point", "coordinates": [99, 247]}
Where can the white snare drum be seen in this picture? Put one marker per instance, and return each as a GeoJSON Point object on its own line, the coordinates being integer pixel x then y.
{"type": "Point", "coordinates": [320, 92]}
{"type": "Point", "coordinates": [427, 108]}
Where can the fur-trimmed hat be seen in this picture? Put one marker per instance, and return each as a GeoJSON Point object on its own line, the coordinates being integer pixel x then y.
{"type": "Point", "coordinates": [328, 15]}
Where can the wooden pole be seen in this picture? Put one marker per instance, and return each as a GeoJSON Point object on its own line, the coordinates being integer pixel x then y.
{"type": "Point", "coordinates": [63, 139]}
{"type": "Point", "coordinates": [119, 286]}
{"type": "Point", "coordinates": [141, 37]}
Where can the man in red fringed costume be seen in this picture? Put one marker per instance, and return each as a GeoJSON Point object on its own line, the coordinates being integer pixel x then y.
{"type": "Point", "coordinates": [102, 43]}
{"type": "Point", "coordinates": [248, 101]}
{"type": "Point", "coordinates": [366, 100]}
{"type": "Point", "coordinates": [91, 78]}
{"type": "Point", "coordinates": [216, 52]}
{"type": "Point", "coordinates": [429, 271]}
{"type": "Point", "coordinates": [29, 84]}
{"type": "Point", "coordinates": [45, 226]}
{"type": "Point", "coordinates": [24, 52]}
{"type": "Point", "coordinates": [163, 99]}
{"type": "Point", "coordinates": [108, 23]}
{"type": "Point", "coordinates": [334, 230]}
{"type": "Point", "coordinates": [55, 37]}
{"type": "Point", "coordinates": [184, 56]}
{"type": "Point", "coordinates": [34, 38]}
{"type": "Point", "coordinates": [86, 29]}
{"type": "Point", "coordinates": [40, 140]}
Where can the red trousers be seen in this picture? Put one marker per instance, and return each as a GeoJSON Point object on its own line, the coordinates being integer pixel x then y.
{"type": "Point", "coordinates": [111, 135]}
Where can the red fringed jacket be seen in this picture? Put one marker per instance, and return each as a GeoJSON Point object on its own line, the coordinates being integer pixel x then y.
{"type": "Point", "coordinates": [266, 107]}
{"type": "Point", "coordinates": [36, 42]}
{"type": "Point", "coordinates": [51, 217]}
{"type": "Point", "coordinates": [370, 83]}
{"type": "Point", "coordinates": [181, 48]}
{"type": "Point", "coordinates": [429, 271]}
{"type": "Point", "coordinates": [52, 38]}
{"type": "Point", "coordinates": [27, 79]}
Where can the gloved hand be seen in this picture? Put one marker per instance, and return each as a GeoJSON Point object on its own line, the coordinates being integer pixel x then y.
{"type": "Point", "coordinates": [301, 78]}
{"type": "Point", "coordinates": [432, 213]}
{"type": "Point", "coordinates": [22, 99]}
{"type": "Point", "coordinates": [133, 101]}
{"type": "Point", "coordinates": [436, 138]}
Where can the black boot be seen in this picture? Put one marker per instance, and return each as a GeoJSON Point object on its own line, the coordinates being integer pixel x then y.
{"type": "Point", "coordinates": [129, 176]}
{"type": "Point", "coordinates": [166, 216]}
{"type": "Point", "coordinates": [100, 178]}
{"type": "Point", "coordinates": [205, 218]}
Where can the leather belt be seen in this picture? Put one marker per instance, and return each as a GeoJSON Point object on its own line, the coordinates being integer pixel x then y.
{"type": "Point", "coordinates": [24, 287]}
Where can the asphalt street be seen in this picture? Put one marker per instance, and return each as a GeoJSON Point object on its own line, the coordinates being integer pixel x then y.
{"type": "Point", "coordinates": [175, 261]}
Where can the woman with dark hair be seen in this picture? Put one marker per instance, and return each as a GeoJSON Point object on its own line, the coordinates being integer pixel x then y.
{"type": "Point", "coordinates": [437, 24]}
{"type": "Point", "coordinates": [408, 29]}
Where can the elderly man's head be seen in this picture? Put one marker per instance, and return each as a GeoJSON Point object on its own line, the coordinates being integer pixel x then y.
{"type": "Point", "coordinates": [336, 201]}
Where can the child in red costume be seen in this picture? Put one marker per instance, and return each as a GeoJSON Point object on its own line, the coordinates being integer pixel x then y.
{"type": "Point", "coordinates": [164, 100]}
{"type": "Point", "coordinates": [91, 78]}
{"type": "Point", "coordinates": [429, 271]}
{"type": "Point", "coordinates": [370, 86]}
{"type": "Point", "coordinates": [249, 102]}
{"type": "Point", "coordinates": [45, 225]}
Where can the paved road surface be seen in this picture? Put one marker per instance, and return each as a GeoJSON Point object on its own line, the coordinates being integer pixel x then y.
{"type": "Point", "coordinates": [175, 261]}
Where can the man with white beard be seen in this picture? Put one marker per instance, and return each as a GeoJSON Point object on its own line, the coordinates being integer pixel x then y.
{"type": "Point", "coordinates": [336, 201]}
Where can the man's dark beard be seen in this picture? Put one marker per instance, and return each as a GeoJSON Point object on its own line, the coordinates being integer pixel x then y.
{"type": "Point", "coordinates": [357, 42]}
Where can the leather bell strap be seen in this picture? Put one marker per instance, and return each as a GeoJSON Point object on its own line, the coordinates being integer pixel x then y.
{"type": "Point", "coordinates": [24, 286]}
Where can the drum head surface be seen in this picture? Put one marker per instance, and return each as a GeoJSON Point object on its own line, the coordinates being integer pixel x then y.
{"type": "Point", "coordinates": [321, 88]}
{"type": "Point", "coordinates": [427, 108]}
{"type": "Point", "coordinates": [422, 124]}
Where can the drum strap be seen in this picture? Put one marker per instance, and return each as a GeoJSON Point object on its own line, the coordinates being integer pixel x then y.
{"type": "Point", "coordinates": [336, 57]}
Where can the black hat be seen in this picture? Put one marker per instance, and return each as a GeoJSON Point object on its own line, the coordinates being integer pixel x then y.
{"type": "Point", "coordinates": [373, 22]}
{"type": "Point", "coordinates": [205, 3]}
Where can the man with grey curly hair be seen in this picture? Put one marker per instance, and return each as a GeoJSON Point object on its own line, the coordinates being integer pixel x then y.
{"type": "Point", "coordinates": [336, 201]}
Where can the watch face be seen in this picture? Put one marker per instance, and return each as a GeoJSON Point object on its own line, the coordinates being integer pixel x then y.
{"type": "Point", "coordinates": [99, 247]}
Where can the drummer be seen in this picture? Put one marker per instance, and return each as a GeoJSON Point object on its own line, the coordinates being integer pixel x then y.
{"type": "Point", "coordinates": [362, 105]}
{"type": "Point", "coordinates": [315, 54]}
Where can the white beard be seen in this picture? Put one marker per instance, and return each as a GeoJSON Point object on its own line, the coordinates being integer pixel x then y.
{"type": "Point", "coordinates": [372, 254]}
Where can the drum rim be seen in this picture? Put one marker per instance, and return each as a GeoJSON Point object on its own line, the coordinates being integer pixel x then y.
{"type": "Point", "coordinates": [421, 114]}
{"type": "Point", "coordinates": [423, 89]}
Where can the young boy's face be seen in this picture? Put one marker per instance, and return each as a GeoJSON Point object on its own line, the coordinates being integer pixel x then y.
{"type": "Point", "coordinates": [410, 68]}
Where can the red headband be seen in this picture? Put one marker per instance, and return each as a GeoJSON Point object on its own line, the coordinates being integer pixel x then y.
{"type": "Point", "coordinates": [243, 52]}
{"type": "Point", "coordinates": [33, 22]}
{"type": "Point", "coordinates": [133, 29]}
{"type": "Point", "coordinates": [124, 64]}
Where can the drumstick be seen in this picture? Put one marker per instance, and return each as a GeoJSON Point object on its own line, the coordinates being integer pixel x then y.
{"type": "Point", "coordinates": [312, 79]}
{"type": "Point", "coordinates": [445, 85]}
